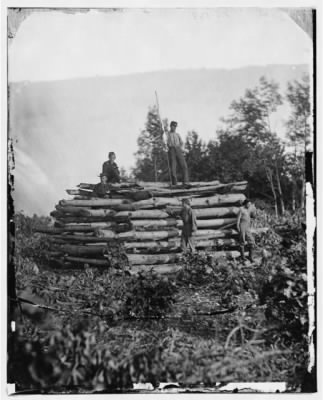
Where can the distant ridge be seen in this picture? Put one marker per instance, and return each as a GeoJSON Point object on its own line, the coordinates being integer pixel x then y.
{"type": "Point", "coordinates": [256, 68]}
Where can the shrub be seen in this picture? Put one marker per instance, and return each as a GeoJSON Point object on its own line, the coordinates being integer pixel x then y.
{"type": "Point", "coordinates": [148, 295]}
{"type": "Point", "coordinates": [30, 246]}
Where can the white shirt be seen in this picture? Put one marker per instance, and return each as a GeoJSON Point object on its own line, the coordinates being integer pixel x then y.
{"type": "Point", "coordinates": [173, 139]}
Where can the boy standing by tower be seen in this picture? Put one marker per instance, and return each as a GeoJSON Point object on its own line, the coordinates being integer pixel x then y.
{"type": "Point", "coordinates": [189, 226]}
{"type": "Point", "coordinates": [244, 228]}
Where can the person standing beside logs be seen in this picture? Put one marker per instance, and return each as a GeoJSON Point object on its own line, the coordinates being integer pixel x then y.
{"type": "Point", "coordinates": [175, 153]}
{"type": "Point", "coordinates": [110, 169]}
{"type": "Point", "coordinates": [246, 212]}
{"type": "Point", "coordinates": [189, 226]}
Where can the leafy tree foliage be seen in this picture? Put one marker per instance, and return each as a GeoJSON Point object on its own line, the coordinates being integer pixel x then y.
{"type": "Point", "coordinates": [299, 131]}
{"type": "Point", "coordinates": [151, 156]}
{"type": "Point", "coordinates": [196, 156]}
{"type": "Point", "coordinates": [299, 122]}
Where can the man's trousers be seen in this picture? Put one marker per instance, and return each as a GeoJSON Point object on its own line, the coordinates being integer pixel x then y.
{"type": "Point", "coordinates": [175, 155]}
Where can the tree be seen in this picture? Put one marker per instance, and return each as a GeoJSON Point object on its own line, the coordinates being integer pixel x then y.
{"type": "Point", "coordinates": [151, 157]}
{"type": "Point", "coordinates": [196, 157]}
{"type": "Point", "coordinates": [299, 130]}
{"type": "Point", "coordinates": [253, 147]}
{"type": "Point", "coordinates": [227, 156]}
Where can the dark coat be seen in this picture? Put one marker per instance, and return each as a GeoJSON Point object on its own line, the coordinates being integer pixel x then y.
{"type": "Point", "coordinates": [111, 170]}
{"type": "Point", "coordinates": [189, 221]}
{"type": "Point", "coordinates": [100, 189]}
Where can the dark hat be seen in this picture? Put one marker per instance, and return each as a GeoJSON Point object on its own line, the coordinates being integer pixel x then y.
{"type": "Point", "coordinates": [173, 123]}
{"type": "Point", "coordinates": [102, 174]}
{"type": "Point", "coordinates": [246, 201]}
{"type": "Point", "coordinates": [111, 153]}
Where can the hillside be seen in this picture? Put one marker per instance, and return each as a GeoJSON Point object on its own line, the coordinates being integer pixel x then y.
{"type": "Point", "coordinates": [64, 129]}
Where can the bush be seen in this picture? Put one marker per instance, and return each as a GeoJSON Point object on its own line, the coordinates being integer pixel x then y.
{"type": "Point", "coordinates": [285, 293]}
{"type": "Point", "coordinates": [148, 295]}
{"type": "Point", "coordinates": [28, 245]}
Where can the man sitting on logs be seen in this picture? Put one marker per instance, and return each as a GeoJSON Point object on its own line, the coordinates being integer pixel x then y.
{"type": "Point", "coordinates": [100, 189]}
{"type": "Point", "coordinates": [110, 169]}
{"type": "Point", "coordinates": [243, 225]}
{"type": "Point", "coordinates": [189, 226]}
{"type": "Point", "coordinates": [175, 153]}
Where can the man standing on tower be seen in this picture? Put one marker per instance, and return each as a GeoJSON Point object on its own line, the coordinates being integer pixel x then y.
{"type": "Point", "coordinates": [175, 153]}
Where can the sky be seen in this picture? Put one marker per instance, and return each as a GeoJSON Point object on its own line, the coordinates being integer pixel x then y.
{"type": "Point", "coordinates": [56, 45]}
{"type": "Point", "coordinates": [50, 46]}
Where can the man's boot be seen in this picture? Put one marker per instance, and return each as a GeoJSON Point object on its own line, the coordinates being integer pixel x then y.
{"type": "Point", "coordinates": [243, 258]}
{"type": "Point", "coordinates": [251, 253]}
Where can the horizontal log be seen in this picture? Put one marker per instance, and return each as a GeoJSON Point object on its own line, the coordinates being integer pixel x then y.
{"type": "Point", "coordinates": [155, 203]}
{"type": "Point", "coordinates": [96, 202]}
{"type": "Point", "coordinates": [154, 222]}
{"type": "Point", "coordinates": [143, 214]}
{"type": "Point", "coordinates": [225, 242]}
{"type": "Point", "coordinates": [81, 192]}
{"type": "Point", "coordinates": [100, 213]}
{"type": "Point", "coordinates": [159, 269]}
{"type": "Point", "coordinates": [77, 211]}
{"type": "Point", "coordinates": [214, 212]}
{"type": "Point", "coordinates": [61, 220]}
{"type": "Point", "coordinates": [84, 239]}
{"type": "Point", "coordinates": [210, 223]}
{"type": "Point", "coordinates": [93, 225]}
{"type": "Point", "coordinates": [139, 259]}
{"type": "Point", "coordinates": [80, 198]}
{"type": "Point", "coordinates": [159, 202]}
{"type": "Point", "coordinates": [85, 212]}
{"type": "Point", "coordinates": [90, 261]}
{"type": "Point", "coordinates": [106, 233]}
{"type": "Point", "coordinates": [160, 235]}
{"type": "Point", "coordinates": [152, 228]}
{"type": "Point", "coordinates": [125, 207]}
{"type": "Point", "coordinates": [75, 250]}
{"type": "Point", "coordinates": [152, 245]}
{"type": "Point", "coordinates": [86, 234]}
{"type": "Point", "coordinates": [218, 200]}
{"type": "Point", "coordinates": [174, 244]}
{"type": "Point", "coordinates": [209, 189]}
{"type": "Point", "coordinates": [136, 195]}
{"type": "Point", "coordinates": [114, 186]}
{"type": "Point", "coordinates": [77, 228]}
{"type": "Point", "coordinates": [214, 233]}
{"type": "Point", "coordinates": [48, 230]}
{"type": "Point", "coordinates": [103, 212]}
{"type": "Point", "coordinates": [154, 235]}
{"type": "Point", "coordinates": [239, 188]}
{"type": "Point", "coordinates": [166, 185]}
{"type": "Point", "coordinates": [196, 202]}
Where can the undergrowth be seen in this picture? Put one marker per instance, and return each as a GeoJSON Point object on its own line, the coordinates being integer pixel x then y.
{"type": "Point", "coordinates": [213, 321]}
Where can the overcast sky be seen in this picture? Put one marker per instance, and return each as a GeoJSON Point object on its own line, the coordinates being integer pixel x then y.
{"type": "Point", "coordinates": [55, 45]}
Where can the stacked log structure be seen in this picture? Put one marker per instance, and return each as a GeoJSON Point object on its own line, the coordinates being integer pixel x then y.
{"type": "Point", "coordinates": [145, 219]}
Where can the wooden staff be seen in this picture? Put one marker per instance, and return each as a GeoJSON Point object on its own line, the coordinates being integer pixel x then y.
{"type": "Point", "coordinates": [161, 123]}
